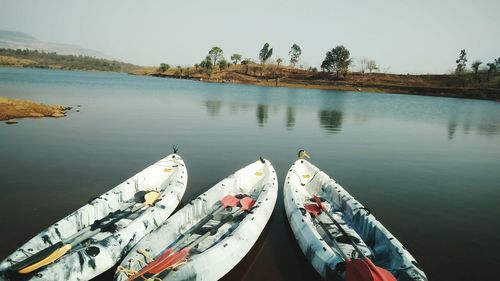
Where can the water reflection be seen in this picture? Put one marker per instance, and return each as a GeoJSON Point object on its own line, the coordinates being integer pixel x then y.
{"type": "Point", "coordinates": [460, 118]}
{"type": "Point", "coordinates": [466, 119]}
{"type": "Point", "coordinates": [330, 120]}
{"type": "Point", "coordinates": [262, 114]}
{"type": "Point", "coordinates": [290, 117]}
{"type": "Point", "coordinates": [213, 107]}
{"type": "Point", "coordinates": [452, 127]}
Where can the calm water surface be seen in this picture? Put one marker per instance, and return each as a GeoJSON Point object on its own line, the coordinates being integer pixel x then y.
{"type": "Point", "coordinates": [428, 167]}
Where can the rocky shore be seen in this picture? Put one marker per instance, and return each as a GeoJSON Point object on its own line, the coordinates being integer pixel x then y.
{"type": "Point", "coordinates": [11, 109]}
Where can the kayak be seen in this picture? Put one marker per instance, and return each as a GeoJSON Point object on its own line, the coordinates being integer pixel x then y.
{"type": "Point", "coordinates": [95, 237]}
{"type": "Point", "coordinates": [328, 245]}
{"type": "Point", "coordinates": [206, 238]}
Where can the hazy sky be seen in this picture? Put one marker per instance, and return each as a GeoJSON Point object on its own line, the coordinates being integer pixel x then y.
{"type": "Point", "coordinates": [417, 36]}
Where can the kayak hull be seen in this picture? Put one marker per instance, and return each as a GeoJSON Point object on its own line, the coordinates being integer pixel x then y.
{"type": "Point", "coordinates": [302, 182]}
{"type": "Point", "coordinates": [168, 176]}
{"type": "Point", "coordinates": [219, 252]}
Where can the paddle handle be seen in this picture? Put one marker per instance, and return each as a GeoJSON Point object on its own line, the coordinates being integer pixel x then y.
{"type": "Point", "coordinates": [360, 253]}
{"type": "Point", "coordinates": [344, 256]}
{"type": "Point", "coordinates": [213, 230]}
{"type": "Point", "coordinates": [195, 228]}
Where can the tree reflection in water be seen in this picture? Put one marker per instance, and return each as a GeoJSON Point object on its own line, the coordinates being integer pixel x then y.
{"type": "Point", "coordinates": [330, 120]}
{"type": "Point", "coordinates": [262, 114]}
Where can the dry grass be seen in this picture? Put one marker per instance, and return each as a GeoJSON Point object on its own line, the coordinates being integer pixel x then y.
{"type": "Point", "coordinates": [12, 61]}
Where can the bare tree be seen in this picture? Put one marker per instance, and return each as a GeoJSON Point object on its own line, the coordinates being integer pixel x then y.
{"type": "Point", "coordinates": [363, 62]}
{"type": "Point", "coordinates": [371, 65]}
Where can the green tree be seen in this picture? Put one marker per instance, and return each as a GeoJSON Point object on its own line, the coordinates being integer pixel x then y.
{"type": "Point", "coordinates": [338, 60]}
{"type": "Point", "coordinates": [279, 61]}
{"type": "Point", "coordinates": [179, 71]}
{"type": "Point", "coordinates": [207, 65]}
{"type": "Point", "coordinates": [216, 54]}
{"type": "Point", "coordinates": [265, 53]}
{"type": "Point", "coordinates": [246, 62]}
{"type": "Point", "coordinates": [222, 64]}
{"type": "Point", "coordinates": [497, 63]}
{"type": "Point", "coordinates": [491, 68]}
{"type": "Point", "coordinates": [236, 58]}
{"type": "Point", "coordinates": [475, 67]}
{"type": "Point", "coordinates": [461, 62]}
{"type": "Point", "coordinates": [294, 53]}
{"type": "Point", "coordinates": [163, 67]}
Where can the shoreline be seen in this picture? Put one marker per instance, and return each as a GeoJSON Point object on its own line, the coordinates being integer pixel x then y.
{"type": "Point", "coordinates": [421, 85]}
{"type": "Point", "coordinates": [492, 94]}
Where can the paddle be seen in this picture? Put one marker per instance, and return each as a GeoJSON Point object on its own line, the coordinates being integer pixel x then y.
{"type": "Point", "coordinates": [226, 201]}
{"type": "Point", "coordinates": [55, 251]}
{"type": "Point", "coordinates": [169, 258]}
{"type": "Point", "coordinates": [314, 211]}
{"type": "Point", "coordinates": [357, 269]}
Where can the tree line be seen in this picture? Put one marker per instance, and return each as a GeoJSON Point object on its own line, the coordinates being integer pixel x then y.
{"type": "Point", "coordinates": [462, 71]}
{"type": "Point", "coordinates": [41, 59]}
{"type": "Point", "coordinates": [337, 60]}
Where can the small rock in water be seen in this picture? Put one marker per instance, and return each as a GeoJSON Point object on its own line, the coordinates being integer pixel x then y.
{"type": "Point", "coordinates": [11, 122]}
{"type": "Point", "coordinates": [77, 110]}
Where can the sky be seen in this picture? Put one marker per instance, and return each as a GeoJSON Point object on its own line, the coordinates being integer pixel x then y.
{"type": "Point", "coordinates": [402, 36]}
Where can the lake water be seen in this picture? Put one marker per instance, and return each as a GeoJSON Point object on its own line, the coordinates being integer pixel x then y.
{"type": "Point", "coordinates": [427, 167]}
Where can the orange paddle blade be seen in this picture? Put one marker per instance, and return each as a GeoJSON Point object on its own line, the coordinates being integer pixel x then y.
{"type": "Point", "coordinates": [365, 270]}
{"type": "Point", "coordinates": [229, 200]}
{"type": "Point", "coordinates": [247, 203]}
{"type": "Point", "coordinates": [151, 265]}
{"type": "Point", "coordinates": [170, 261]}
{"type": "Point", "coordinates": [313, 210]}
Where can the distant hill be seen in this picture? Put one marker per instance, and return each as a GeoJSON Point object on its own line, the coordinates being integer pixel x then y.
{"type": "Point", "coordinates": [42, 59]}
{"type": "Point", "coordinates": [19, 40]}
{"type": "Point", "coordinates": [23, 50]}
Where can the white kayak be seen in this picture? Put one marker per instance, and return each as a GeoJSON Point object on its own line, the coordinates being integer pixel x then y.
{"type": "Point", "coordinates": [110, 225]}
{"type": "Point", "coordinates": [209, 238]}
{"type": "Point", "coordinates": [374, 241]}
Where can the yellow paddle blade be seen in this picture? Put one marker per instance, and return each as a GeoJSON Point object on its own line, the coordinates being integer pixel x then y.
{"type": "Point", "coordinates": [48, 260]}
{"type": "Point", "coordinates": [151, 197]}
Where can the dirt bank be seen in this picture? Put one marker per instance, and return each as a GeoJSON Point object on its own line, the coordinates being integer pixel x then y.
{"type": "Point", "coordinates": [16, 108]}
{"type": "Point", "coordinates": [444, 85]}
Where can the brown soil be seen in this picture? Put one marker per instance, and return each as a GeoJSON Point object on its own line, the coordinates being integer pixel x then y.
{"type": "Point", "coordinates": [15, 108]}
{"type": "Point", "coordinates": [428, 85]}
